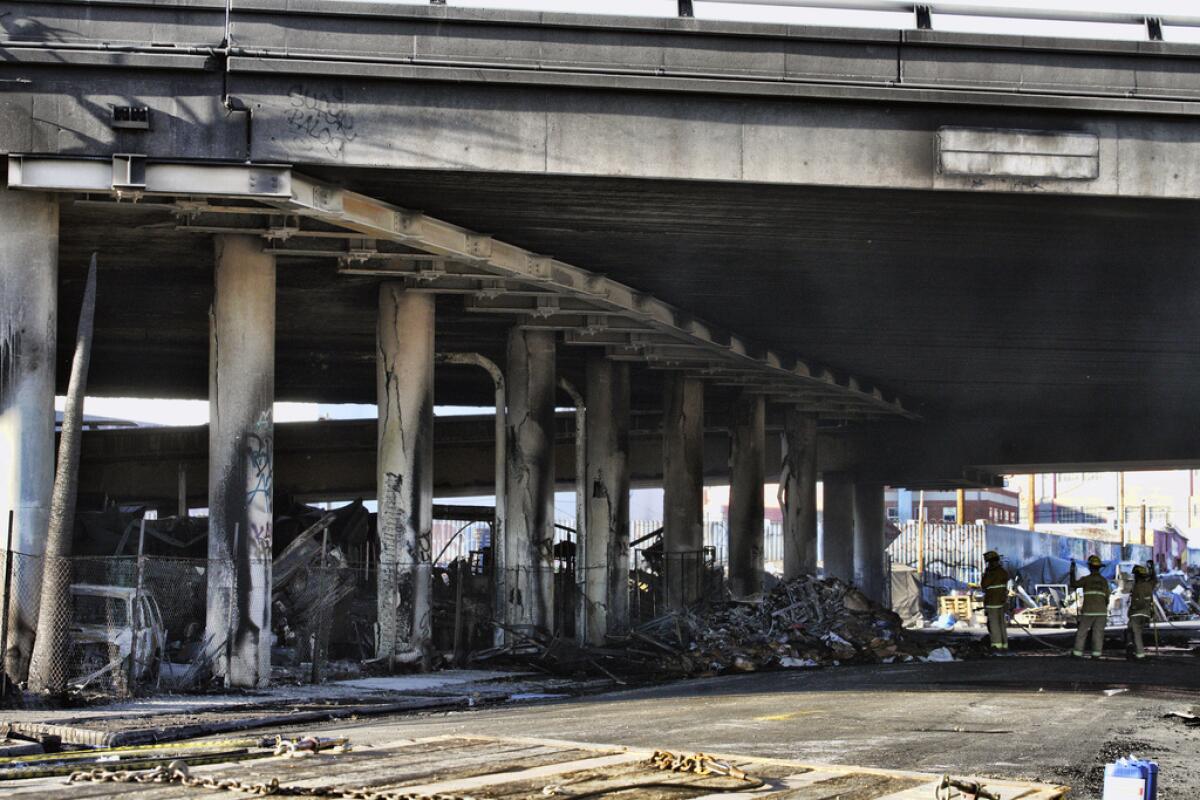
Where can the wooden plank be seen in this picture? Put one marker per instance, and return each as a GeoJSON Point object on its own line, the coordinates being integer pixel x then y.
{"type": "Point", "coordinates": [520, 768]}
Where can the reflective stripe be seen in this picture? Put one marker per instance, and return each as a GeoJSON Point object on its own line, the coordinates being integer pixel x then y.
{"type": "Point", "coordinates": [1094, 614]}
{"type": "Point", "coordinates": [1142, 614]}
{"type": "Point", "coordinates": [993, 606]}
{"type": "Point", "coordinates": [1096, 593]}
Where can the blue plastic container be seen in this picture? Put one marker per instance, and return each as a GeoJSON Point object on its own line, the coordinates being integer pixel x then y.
{"type": "Point", "coordinates": [1127, 770]}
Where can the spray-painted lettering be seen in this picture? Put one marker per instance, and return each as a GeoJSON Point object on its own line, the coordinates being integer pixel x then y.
{"type": "Point", "coordinates": [322, 116]}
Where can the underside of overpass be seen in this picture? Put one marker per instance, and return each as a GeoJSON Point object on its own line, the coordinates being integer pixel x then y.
{"type": "Point", "coordinates": [976, 308]}
{"type": "Point", "coordinates": [909, 258]}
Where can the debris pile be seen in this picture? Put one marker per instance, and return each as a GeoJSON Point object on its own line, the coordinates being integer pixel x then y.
{"type": "Point", "coordinates": [805, 622]}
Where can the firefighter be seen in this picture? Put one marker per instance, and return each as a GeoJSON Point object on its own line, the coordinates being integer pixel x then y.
{"type": "Point", "coordinates": [1141, 604]}
{"type": "Point", "coordinates": [995, 600]}
{"type": "Point", "coordinates": [1093, 616]}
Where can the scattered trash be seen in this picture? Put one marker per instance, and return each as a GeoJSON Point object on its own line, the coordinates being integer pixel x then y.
{"type": "Point", "coordinates": [941, 654]}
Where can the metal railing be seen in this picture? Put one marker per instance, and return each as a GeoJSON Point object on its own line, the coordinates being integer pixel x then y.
{"type": "Point", "coordinates": [1151, 17]}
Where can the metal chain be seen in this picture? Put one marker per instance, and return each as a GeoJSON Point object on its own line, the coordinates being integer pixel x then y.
{"type": "Point", "coordinates": [698, 763]}
{"type": "Point", "coordinates": [177, 772]}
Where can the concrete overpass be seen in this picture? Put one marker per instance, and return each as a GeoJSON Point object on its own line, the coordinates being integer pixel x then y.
{"type": "Point", "coordinates": [926, 257]}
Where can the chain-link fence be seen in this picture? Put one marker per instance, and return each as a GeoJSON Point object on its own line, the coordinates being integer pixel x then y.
{"type": "Point", "coordinates": [122, 624]}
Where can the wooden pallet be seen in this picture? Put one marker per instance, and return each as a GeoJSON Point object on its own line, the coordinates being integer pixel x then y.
{"type": "Point", "coordinates": [961, 606]}
{"type": "Point", "coordinates": [487, 768]}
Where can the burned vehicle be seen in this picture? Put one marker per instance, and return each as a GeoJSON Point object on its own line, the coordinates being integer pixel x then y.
{"type": "Point", "coordinates": [117, 635]}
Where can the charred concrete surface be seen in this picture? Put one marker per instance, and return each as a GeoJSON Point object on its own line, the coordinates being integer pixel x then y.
{"type": "Point", "coordinates": [683, 487]}
{"type": "Point", "coordinates": [241, 465]}
{"type": "Point", "coordinates": [528, 576]}
{"type": "Point", "coordinates": [405, 474]}
{"type": "Point", "coordinates": [798, 489]}
{"type": "Point", "coordinates": [606, 493]}
{"type": "Point", "coordinates": [747, 475]}
{"type": "Point", "coordinates": [28, 313]}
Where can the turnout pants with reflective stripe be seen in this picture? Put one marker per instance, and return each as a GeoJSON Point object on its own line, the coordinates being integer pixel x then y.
{"type": "Point", "coordinates": [1137, 623]}
{"type": "Point", "coordinates": [1094, 624]}
{"type": "Point", "coordinates": [997, 628]}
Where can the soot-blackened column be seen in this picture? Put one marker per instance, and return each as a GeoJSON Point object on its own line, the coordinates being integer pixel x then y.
{"type": "Point", "coordinates": [683, 489]}
{"type": "Point", "coordinates": [605, 560]}
{"type": "Point", "coordinates": [838, 539]}
{"type": "Point", "coordinates": [798, 477]}
{"type": "Point", "coordinates": [747, 471]}
{"type": "Point", "coordinates": [404, 391]}
{"type": "Point", "coordinates": [529, 538]}
{"type": "Point", "coordinates": [868, 540]}
{"type": "Point", "coordinates": [241, 469]}
{"type": "Point", "coordinates": [28, 312]}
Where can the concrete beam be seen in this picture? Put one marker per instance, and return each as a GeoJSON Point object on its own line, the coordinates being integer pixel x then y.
{"type": "Point", "coordinates": [683, 489]}
{"type": "Point", "coordinates": [747, 476]}
{"type": "Point", "coordinates": [528, 575]}
{"type": "Point", "coordinates": [241, 470]}
{"type": "Point", "coordinates": [28, 323]}
{"type": "Point", "coordinates": [404, 379]}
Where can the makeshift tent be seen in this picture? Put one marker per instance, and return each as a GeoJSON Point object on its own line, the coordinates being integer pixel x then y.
{"type": "Point", "coordinates": [906, 595]}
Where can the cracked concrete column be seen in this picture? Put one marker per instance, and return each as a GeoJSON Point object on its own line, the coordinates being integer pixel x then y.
{"type": "Point", "coordinates": [28, 311]}
{"type": "Point", "coordinates": [529, 540]}
{"type": "Point", "coordinates": [404, 391]}
{"type": "Point", "coordinates": [241, 469]}
{"type": "Point", "coordinates": [605, 560]}
{"type": "Point", "coordinates": [747, 474]}
{"type": "Point", "coordinates": [868, 540]}
{"type": "Point", "coordinates": [798, 479]}
{"type": "Point", "coordinates": [838, 541]}
{"type": "Point", "coordinates": [683, 488]}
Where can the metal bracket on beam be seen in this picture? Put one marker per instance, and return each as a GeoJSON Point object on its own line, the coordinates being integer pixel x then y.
{"type": "Point", "coordinates": [1154, 29]}
{"type": "Point", "coordinates": [685, 8]}
{"type": "Point", "coordinates": [924, 18]}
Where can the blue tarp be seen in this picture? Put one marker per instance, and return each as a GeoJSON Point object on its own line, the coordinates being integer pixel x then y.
{"type": "Point", "coordinates": [1049, 569]}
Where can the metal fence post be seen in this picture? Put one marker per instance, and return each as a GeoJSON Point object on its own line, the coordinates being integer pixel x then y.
{"type": "Point", "coordinates": [138, 568]}
{"type": "Point", "coordinates": [4, 610]}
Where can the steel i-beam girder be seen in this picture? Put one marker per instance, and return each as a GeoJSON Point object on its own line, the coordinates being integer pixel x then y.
{"type": "Point", "coordinates": [300, 216]}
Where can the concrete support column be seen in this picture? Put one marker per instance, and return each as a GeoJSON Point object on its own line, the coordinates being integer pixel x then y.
{"type": "Point", "coordinates": [838, 541]}
{"type": "Point", "coordinates": [241, 393]}
{"type": "Point", "coordinates": [404, 459]}
{"type": "Point", "coordinates": [529, 541]}
{"type": "Point", "coordinates": [683, 488]}
{"type": "Point", "coordinates": [798, 479]}
{"type": "Point", "coordinates": [868, 540]}
{"type": "Point", "coordinates": [747, 474]}
{"type": "Point", "coordinates": [28, 321]}
{"type": "Point", "coordinates": [605, 560]}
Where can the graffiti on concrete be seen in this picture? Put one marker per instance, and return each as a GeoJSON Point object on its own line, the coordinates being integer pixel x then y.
{"type": "Point", "coordinates": [260, 474]}
{"type": "Point", "coordinates": [321, 116]}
